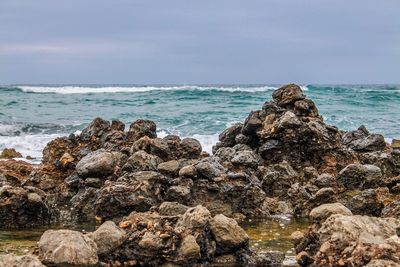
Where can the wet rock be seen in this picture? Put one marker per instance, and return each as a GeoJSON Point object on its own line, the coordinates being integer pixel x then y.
{"type": "Point", "coordinates": [266, 259]}
{"type": "Point", "coordinates": [359, 176]}
{"type": "Point", "coordinates": [141, 128]}
{"type": "Point", "coordinates": [287, 95]}
{"type": "Point", "coordinates": [9, 153]}
{"type": "Point", "coordinates": [210, 168]}
{"type": "Point", "coordinates": [107, 237]}
{"type": "Point", "coordinates": [170, 167]}
{"type": "Point", "coordinates": [67, 248]}
{"type": "Point", "coordinates": [141, 161]}
{"type": "Point", "coordinates": [11, 260]}
{"type": "Point", "coordinates": [350, 241]}
{"type": "Point", "coordinates": [324, 211]}
{"type": "Point", "coordinates": [228, 234]}
{"type": "Point", "coordinates": [20, 208]}
{"type": "Point", "coordinates": [99, 163]}
{"type": "Point", "coordinates": [172, 209]}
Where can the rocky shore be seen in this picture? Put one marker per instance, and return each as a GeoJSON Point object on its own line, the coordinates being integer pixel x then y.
{"type": "Point", "coordinates": [165, 202]}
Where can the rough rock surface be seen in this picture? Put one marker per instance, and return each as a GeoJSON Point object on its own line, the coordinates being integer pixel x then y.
{"type": "Point", "coordinates": [67, 248]}
{"type": "Point", "coordinates": [107, 237]}
{"type": "Point", "coordinates": [10, 260]}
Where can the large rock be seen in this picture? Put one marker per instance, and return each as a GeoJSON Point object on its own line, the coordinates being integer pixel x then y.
{"type": "Point", "coordinates": [324, 211]}
{"type": "Point", "coordinates": [22, 208]}
{"type": "Point", "coordinates": [196, 217]}
{"type": "Point", "coordinates": [344, 240]}
{"type": "Point", "coordinates": [228, 234]}
{"type": "Point", "coordinates": [288, 94]}
{"type": "Point", "coordinates": [11, 260]}
{"type": "Point", "coordinates": [141, 128]}
{"type": "Point", "coordinates": [357, 176]}
{"type": "Point", "coordinates": [67, 248]}
{"type": "Point", "coordinates": [9, 153]}
{"type": "Point", "coordinates": [99, 163]}
{"type": "Point", "coordinates": [210, 168]}
{"type": "Point", "coordinates": [142, 161]}
{"type": "Point", "coordinates": [108, 237]}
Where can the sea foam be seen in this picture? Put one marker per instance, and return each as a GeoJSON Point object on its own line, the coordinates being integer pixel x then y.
{"type": "Point", "coordinates": [138, 89]}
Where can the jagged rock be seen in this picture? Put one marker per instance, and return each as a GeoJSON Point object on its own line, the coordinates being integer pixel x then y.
{"type": "Point", "coordinates": [245, 158]}
{"type": "Point", "coordinates": [228, 136]}
{"type": "Point", "coordinates": [210, 167]}
{"type": "Point", "coordinates": [178, 192]}
{"type": "Point", "coordinates": [325, 180]}
{"type": "Point", "coordinates": [362, 140]}
{"type": "Point", "coordinates": [95, 129]}
{"type": "Point", "coordinates": [324, 211]}
{"type": "Point", "coordinates": [382, 263]}
{"type": "Point", "coordinates": [350, 241]}
{"type": "Point", "coordinates": [392, 210]}
{"type": "Point", "coordinates": [15, 172]}
{"type": "Point", "coordinates": [11, 260]}
{"type": "Point", "coordinates": [252, 122]}
{"type": "Point", "coordinates": [189, 250]}
{"type": "Point", "coordinates": [359, 176]}
{"type": "Point", "coordinates": [107, 237]}
{"type": "Point", "coordinates": [21, 208]}
{"type": "Point", "coordinates": [172, 209]}
{"type": "Point", "coordinates": [365, 203]}
{"type": "Point", "coordinates": [99, 163]}
{"type": "Point", "coordinates": [141, 161]}
{"type": "Point", "coordinates": [228, 233]}
{"type": "Point", "coordinates": [9, 153]}
{"type": "Point", "coordinates": [141, 128]}
{"type": "Point", "coordinates": [191, 148]}
{"type": "Point", "coordinates": [67, 248]}
{"type": "Point", "coordinates": [287, 95]}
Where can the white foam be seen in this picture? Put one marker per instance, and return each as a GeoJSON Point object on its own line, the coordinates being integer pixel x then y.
{"type": "Point", "coordinates": [136, 89]}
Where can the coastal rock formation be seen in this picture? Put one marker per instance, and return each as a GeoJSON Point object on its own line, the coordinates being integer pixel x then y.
{"type": "Point", "coordinates": [346, 240]}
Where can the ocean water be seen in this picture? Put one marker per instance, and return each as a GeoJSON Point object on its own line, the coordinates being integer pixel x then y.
{"type": "Point", "coordinates": [31, 116]}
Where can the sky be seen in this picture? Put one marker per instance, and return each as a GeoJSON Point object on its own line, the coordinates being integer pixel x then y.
{"type": "Point", "coordinates": [199, 42]}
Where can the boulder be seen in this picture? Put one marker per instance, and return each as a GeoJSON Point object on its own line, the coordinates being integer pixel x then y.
{"type": "Point", "coordinates": [67, 248]}
{"type": "Point", "coordinates": [228, 136]}
{"type": "Point", "coordinates": [170, 167]}
{"type": "Point", "coordinates": [189, 250]}
{"type": "Point", "coordinates": [210, 168]}
{"type": "Point", "coordinates": [9, 153]}
{"type": "Point", "coordinates": [324, 211]}
{"type": "Point", "coordinates": [141, 161]}
{"type": "Point", "coordinates": [228, 234]}
{"type": "Point", "coordinates": [108, 237]}
{"type": "Point", "coordinates": [365, 202]}
{"type": "Point", "coordinates": [356, 176]}
{"type": "Point", "coordinates": [287, 95]}
{"type": "Point", "coordinates": [141, 128]}
{"type": "Point", "coordinates": [11, 260]}
{"type": "Point", "coordinates": [373, 142]}
{"type": "Point", "coordinates": [196, 217]}
{"type": "Point", "coordinates": [245, 158]}
{"type": "Point", "coordinates": [95, 129]}
{"type": "Point", "coordinates": [99, 163]}
{"type": "Point", "coordinates": [188, 171]}
{"type": "Point", "coordinates": [191, 148]}
{"type": "Point", "coordinates": [172, 209]}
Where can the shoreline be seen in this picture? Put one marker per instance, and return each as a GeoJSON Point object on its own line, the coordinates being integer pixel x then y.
{"type": "Point", "coordinates": [283, 159]}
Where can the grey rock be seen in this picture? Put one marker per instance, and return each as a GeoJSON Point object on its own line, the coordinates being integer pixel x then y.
{"type": "Point", "coordinates": [99, 163]}
{"type": "Point", "coordinates": [357, 175]}
{"type": "Point", "coordinates": [108, 237]}
{"type": "Point", "coordinates": [11, 260]}
{"type": "Point", "coordinates": [210, 167]}
{"type": "Point", "coordinates": [169, 167]}
{"type": "Point", "coordinates": [172, 209]}
{"type": "Point", "coordinates": [142, 161]}
{"type": "Point", "coordinates": [324, 211]}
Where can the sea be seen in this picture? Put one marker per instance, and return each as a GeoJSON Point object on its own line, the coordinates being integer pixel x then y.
{"type": "Point", "coordinates": [33, 115]}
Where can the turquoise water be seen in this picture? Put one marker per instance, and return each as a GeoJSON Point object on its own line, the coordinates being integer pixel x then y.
{"type": "Point", "coordinates": [30, 116]}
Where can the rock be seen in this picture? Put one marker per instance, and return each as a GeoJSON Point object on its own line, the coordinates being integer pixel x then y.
{"type": "Point", "coordinates": [93, 182]}
{"type": "Point", "coordinates": [141, 161]}
{"type": "Point", "coordinates": [266, 259]}
{"type": "Point", "coordinates": [108, 237]}
{"type": "Point", "coordinates": [228, 136]}
{"type": "Point", "coordinates": [99, 163]}
{"type": "Point", "coordinates": [245, 158]}
{"type": "Point", "coordinates": [228, 234]}
{"type": "Point", "coordinates": [66, 159]}
{"type": "Point", "coordinates": [196, 217]}
{"type": "Point", "coordinates": [392, 210]}
{"type": "Point", "coordinates": [95, 129]}
{"type": "Point", "coordinates": [9, 153]}
{"type": "Point", "coordinates": [191, 148]}
{"type": "Point", "coordinates": [357, 175]}
{"type": "Point", "coordinates": [287, 95]}
{"type": "Point", "coordinates": [305, 107]}
{"type": "Point", "coordinates": [324, 211]}
{"type": "Point", "coordinates": [11, 260]}
{"type": "Point", "coordinates": [210, 168]}
{"type": "Point", "coordinates": [178, 192]}
{"type": "Point", "coordinates": [20, 208]}
{"type": "Point", "coordinates": [15, 172]}
{"type": "Point", "coordinates": [189, 250]}
{"type": "Point", "coordinates": [365, 203]}
{"type": "Point", "coordinates": [170, 167]}
{"type": "Point", "coordinates": [172, 209]}
{"type": "Point", "coordinates": [382, 263]}
{"type": "Point", "coordinates": [344, 240]}
{"type": "Point", "coordinates": [252, 122]}
{"type": "Point", "coordinates": [141, 128]}
{"type": "Point", "coordinates": [67, 248]}
{"type": "Point", "coordinates": [395, 144]}
{"type": "Point", "coordinates": [373, 142]}
{"type": "Point", "coordinates": [325, 180]}
{"type": "Point", "coordinates": [352, 136]}
{"type": "Point", "coordinates": [188, 171]}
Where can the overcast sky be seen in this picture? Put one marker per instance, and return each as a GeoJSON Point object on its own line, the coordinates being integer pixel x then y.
{"type": "Point", "coordinates": [204, 41]}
